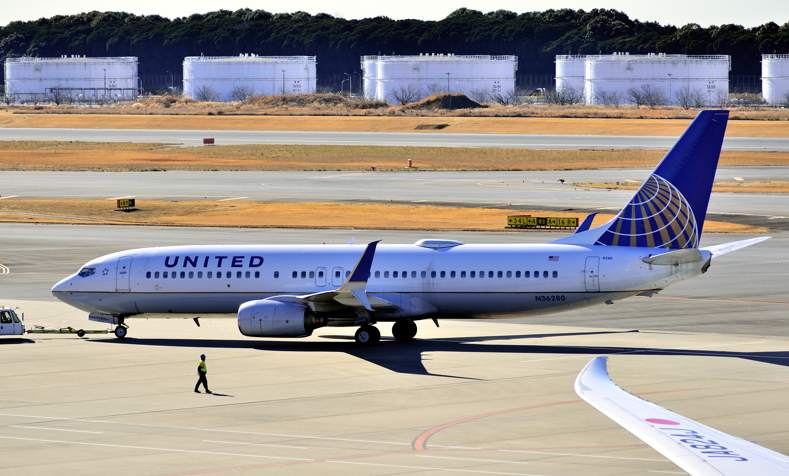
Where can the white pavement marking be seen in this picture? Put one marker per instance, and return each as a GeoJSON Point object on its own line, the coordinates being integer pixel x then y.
{"type": "Point", "coordinates": [232, 198]}
{"type": "Point", "coordinates": [428, 468]}
{"type": "Point", "coordinates": [477, 460]}
{"type": "Point", "coordinates": [453, 447]}
{"type": "Point", "coordinates": [245, 443]}
{"type": "Point", "coordinates": [49, 428]}
{"type": "Point", "coordinates": [577, 455]}
{"type": "Point", "coordinates": [8, 196]}
{"type": "Point", "coordinates": [154, 448]}
{"type": "Point", "coordinates": [4, 269]}
{"type": "Point", "coordinates": [214, 430]}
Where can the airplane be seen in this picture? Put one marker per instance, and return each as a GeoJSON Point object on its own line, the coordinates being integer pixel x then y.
{"type": "Point", "coordinates": [693, 446]}
{"type": "Point", "coordinates": [291, 290]}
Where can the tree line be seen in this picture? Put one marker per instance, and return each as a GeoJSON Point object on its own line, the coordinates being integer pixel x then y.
{"type": "Point", "coordinates": [535, 37]}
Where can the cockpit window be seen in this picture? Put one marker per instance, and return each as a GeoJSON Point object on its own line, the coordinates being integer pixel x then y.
{"type": "Point", "coordinates": [14, 317]}
{"type": "Point", "coordinates": [86, 271]}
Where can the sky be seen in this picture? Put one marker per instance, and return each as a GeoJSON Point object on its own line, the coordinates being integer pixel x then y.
{"type": "Point", "coordinates": [677, 12]}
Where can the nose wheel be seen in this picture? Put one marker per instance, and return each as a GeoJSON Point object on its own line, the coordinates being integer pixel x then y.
{"type": "Point", "coordinates": [404, 330]}
{"type": "Point", "coordinates": [121, 331]}
{"type": "Point", "coordinates": [367, 335]}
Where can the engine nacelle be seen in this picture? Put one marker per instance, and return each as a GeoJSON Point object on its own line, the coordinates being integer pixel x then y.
{"type": "Point", "coordinates": [269, 318]}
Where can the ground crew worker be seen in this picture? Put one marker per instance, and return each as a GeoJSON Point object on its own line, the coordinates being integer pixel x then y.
{"type": "Point", "coordinates": [202, 371]}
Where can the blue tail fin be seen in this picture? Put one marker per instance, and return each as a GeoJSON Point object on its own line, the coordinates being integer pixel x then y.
{"type": "Point", "coordinates": [668, 210]}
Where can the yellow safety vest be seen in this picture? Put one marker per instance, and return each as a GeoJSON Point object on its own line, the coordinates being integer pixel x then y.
{"type": "Point", "coordinates": [202, 368]}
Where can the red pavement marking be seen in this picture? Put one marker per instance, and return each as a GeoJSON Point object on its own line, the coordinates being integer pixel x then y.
{"type": "Point", "coordinates": [420, 442]}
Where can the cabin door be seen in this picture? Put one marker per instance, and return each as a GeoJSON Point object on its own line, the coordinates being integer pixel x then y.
{"type": "Point", "coordinates": [592, 274]}
{"type": "Point", "coordinates": [123, 274]}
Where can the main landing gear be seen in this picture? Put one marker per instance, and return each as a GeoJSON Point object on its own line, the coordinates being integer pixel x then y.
{"type": "Point", "coordinates": [404, 330]}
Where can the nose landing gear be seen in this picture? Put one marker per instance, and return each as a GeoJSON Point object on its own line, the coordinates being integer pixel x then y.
{"type": "Point", "coordinates": [121, 330]}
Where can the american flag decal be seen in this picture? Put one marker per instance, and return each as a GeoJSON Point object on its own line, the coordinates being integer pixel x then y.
{"type": "Point", "coordinates": [553, 258]}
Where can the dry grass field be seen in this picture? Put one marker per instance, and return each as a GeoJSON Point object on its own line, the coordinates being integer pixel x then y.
{"type": "Point", "coordinates": [754, 186]}
{"type": "Point", "coordinates": [625, 125]}
{"type": "Point", "coordinates": [249, 214]}
{"type": "Point", "coordinates": [149, 157]}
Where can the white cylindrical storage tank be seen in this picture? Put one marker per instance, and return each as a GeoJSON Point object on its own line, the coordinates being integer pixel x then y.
{"type": "Point", "coordinates": [570, 70]}
{"type": "Point", "coordinates": [402, 79]}
{"type": "Point", "coordinates": [71, 79]}
{"type": "Point", "coordinates": [686, 80]}
{"type": "Point", "coordinates": [775, 79]}
{"type": "Point", "coordinates": [229, 78]}
{"type": "Point", "coordinates": [370, 76]}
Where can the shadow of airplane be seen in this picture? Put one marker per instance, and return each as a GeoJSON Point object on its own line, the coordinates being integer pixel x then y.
{"type": "Point", "coordinates": [407, 357]}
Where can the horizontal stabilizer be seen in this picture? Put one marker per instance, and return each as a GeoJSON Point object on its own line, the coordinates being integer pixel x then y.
{"type": "Point", "coordinates": [690, 255]}
{"type": "Point", "coordinates": [725, 248]}
{"type": "Point", "coordinates": [694, 447]}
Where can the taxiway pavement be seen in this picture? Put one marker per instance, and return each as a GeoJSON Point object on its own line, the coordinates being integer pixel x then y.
{"type": "Point", "coordinates": [512, 189]}
{"type": "Point", "coordinates": [403, 139]}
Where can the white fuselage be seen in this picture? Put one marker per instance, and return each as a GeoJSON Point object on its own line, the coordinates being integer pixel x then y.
{"type": "Point", "coordinates": [452, 281]}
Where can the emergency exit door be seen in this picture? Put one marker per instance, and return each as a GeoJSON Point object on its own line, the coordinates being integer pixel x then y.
{"type": "Point", "coordinates": [592, 274]}
{"type": "Point", "coordinates": [123, 274]}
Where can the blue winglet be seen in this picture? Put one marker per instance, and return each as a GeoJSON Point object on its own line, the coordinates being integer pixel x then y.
{"type": "Point", "coordinates": [587, 223]}
{"type": "Point", "coordinates": [361, 273]}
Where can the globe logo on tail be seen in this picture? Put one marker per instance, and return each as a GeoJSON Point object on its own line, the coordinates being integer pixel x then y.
{"type": "Point", "coordinates": [658, 216]}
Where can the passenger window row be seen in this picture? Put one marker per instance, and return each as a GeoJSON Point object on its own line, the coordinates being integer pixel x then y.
{"type": "Point", "coordinates": [474, 274]}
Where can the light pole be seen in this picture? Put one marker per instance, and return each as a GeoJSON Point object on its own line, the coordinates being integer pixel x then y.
{"type": "Point", "coordinates": [283, 82]}
{"type": "Point", "coordinates": [350, 83]}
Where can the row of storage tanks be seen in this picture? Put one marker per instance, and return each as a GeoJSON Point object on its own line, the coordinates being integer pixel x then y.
{"type": "Point", "coordinates": [598, 79]}
{"type": "Point", "coordinates": [674, 79]}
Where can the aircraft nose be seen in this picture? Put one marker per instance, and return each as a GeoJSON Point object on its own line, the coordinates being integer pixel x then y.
{"type": "Point", "coordinates": [62, 286]}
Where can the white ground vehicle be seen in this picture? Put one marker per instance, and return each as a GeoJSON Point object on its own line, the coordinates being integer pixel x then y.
{"type": "Point", "coordinates": [11, 324]}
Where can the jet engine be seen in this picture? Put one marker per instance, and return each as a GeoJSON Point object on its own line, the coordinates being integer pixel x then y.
{"type": "Point", "coordinates": [270, 318]}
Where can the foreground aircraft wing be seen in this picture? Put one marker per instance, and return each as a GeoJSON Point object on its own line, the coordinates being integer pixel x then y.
{"type": "Point", "coordinates": [725, 248]}
{"type": "Point", "coordinates": [696, 448]}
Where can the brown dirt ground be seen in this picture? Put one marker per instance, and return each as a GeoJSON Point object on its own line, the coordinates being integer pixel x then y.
{"type": "Point", "coordinates": [142, 157]}
{"type": "Point", "coordinates": [755, 186]}
{"type": "Point", "coordinates": [500, 125]}
{"type": "Point", "coordinates": [284, 215]}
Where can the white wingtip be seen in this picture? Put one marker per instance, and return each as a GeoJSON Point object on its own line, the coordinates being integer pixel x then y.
{"type": "Point", "coordinates": [726, 248]}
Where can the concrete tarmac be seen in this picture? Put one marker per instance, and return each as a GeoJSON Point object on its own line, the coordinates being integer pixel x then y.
{"type": "Point", "coordinates": [470, 397]}
{"type": "Point", "coordinates": [403, 139]}
{"type": "Point", "coordinates": [516, 189]}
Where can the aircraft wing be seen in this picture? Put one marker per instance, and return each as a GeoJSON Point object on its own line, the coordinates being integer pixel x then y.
{"type": "Point", "coordinates": [694, 447]}
{"type": "Point", "coordinates": [353, 293]}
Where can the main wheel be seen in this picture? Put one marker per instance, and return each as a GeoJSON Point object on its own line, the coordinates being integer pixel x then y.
{"type": "Point", "coordinates": [367, 335]}
{"type": "Point", "coordinates": [121, 331]}
{"type": "Point", "coordinates": [404, 330]}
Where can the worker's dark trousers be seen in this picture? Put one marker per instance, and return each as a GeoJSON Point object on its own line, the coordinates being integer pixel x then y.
{"type": "Point", "coordinates": [201, 379]}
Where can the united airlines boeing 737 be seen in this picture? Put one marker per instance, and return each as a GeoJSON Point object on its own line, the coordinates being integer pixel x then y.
{"type": "Point", "coordinates": [288, 291]}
